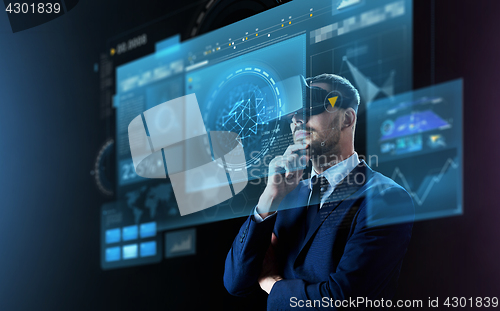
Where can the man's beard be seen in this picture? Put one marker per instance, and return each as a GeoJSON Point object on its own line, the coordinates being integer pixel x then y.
{"type": "Point", "coordinates": [326, 145]}
{"type": "Point", "coordinates": [322, 144]}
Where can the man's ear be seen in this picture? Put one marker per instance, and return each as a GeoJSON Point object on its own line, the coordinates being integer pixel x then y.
{"type": "Point", "coordinates": [349, 118]}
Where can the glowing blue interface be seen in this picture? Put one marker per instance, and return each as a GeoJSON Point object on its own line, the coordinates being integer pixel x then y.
{"type": "Point", "coordinates": [126, 243]}
{"type": "Point", "coordinates": [417, 138]}
{"type": "Point", "coordinates": [243, 95]}
{"type": "Point", "coordinates": [238, 75]}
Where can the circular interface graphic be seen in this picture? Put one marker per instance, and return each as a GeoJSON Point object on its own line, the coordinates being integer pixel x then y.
{"type": "Point", "coordinates": [246, 103]}
{"type": "Point", "coordinates": [103, 168]}
{"type": "Point", "coordinates": [387, 127]}
{"type": "Point", "coordinates": [332, 101]}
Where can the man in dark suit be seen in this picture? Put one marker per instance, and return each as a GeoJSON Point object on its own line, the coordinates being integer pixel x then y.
{"type": "Point", "coordinates": [336, 239]}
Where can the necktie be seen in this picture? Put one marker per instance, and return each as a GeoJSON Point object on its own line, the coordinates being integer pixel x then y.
{"type": "Point", "coordinates": [319, 187]}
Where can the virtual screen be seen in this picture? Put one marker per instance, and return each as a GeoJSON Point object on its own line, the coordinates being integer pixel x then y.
{"type": "Point", "coordinates": [239, 76]}
{"type": "Point", "coordinates": [417, 138]}
{"type": "Point", "coordinates": [243, 95]}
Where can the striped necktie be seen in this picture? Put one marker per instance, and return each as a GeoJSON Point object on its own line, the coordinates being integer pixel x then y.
{"type": "Point", "coordinates": [319, 187]}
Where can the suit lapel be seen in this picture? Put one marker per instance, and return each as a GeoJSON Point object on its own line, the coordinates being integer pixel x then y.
{"type": "Point", "coordinates": [302, 196]}
{"type": "Point", "coordinates": [344, 190]}
{"type": "Point", "coordinates": [293, 208]}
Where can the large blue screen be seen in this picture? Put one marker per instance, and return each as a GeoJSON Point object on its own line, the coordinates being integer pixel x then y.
{"type": "Point", "coordinates": [239, 71]}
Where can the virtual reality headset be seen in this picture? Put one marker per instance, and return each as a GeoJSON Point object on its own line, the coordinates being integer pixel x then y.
{"type": "Point", "coordinates": [316, 100]}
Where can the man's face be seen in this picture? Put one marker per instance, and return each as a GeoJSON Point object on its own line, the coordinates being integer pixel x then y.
{"type": "Point", "coordinates": [321, 132]}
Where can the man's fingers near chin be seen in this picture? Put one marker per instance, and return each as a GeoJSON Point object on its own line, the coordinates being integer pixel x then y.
{"type": "Point", "coordinates": [276, 165]}
{"type": "Point", "coordinates": [294, 148]}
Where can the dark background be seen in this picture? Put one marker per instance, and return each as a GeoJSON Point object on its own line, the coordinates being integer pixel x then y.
{"type": "Point", "coordinates": [51, 130]}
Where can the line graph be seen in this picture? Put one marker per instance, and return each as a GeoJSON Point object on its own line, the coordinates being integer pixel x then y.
{"type": "Point", "coordinates": [430, 181]}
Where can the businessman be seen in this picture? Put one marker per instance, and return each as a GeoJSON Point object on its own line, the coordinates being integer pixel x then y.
{"type": "Point", "coordinates": [331, 239]}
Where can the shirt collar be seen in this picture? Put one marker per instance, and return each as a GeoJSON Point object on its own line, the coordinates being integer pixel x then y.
{"type": "Point", "coordinates": [337, 172]}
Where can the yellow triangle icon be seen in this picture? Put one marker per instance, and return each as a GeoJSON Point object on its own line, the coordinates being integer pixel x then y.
{"type": "Point", "coordinates": [333, 100]}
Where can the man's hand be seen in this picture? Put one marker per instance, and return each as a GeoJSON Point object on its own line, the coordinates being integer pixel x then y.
{"type": "Point", "coordinates": [285, 173]}
{"type": "Point", "coordinates": [270, 273]}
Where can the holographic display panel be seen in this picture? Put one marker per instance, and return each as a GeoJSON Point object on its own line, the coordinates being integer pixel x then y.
{"type": "Point", "coordinates": [417, 140]}
{"type": "Point", "coordinates": [368, 42]}
{"type": "Point", "coordinates": [245, 95]}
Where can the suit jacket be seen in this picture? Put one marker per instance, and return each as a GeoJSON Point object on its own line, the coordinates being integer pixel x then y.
{"type": "Point", "coordinates": [354, 247]}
